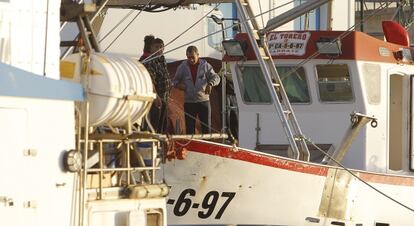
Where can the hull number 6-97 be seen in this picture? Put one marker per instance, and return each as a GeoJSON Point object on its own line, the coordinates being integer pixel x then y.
{"type": "Point", "coordinates": [205, 208]}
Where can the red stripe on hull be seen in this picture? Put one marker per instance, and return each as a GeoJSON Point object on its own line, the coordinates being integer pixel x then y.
{"type": "Point", "coordinates": [387, 179]}
{"type": "Point", "coordinates": [246, 156]}
{"type": "Point", "coordinates": [286, 164]}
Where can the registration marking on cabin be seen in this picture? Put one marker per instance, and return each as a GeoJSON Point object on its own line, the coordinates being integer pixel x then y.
{"type": "Point", "coordinates": [288, 43]}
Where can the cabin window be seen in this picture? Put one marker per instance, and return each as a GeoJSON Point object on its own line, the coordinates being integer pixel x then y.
{"type": "Point", "coordinates": [214, 41]}
{"type": "Point", "coordinates": [372, 79]}
{"type": "Point", "coordinates": [253, 86]}
{"type": "Point", "coordinates": [294, 81]}
{"type": "Point", "coordinates": [334, 83]}
{"type": "Point", "coordinates": [254, 89]}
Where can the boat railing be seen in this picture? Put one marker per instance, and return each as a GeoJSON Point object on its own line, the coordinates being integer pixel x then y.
{"type": "Point", "coordinates": [115, 160]}
{"type": "Point", "coordinates": [124, 160]}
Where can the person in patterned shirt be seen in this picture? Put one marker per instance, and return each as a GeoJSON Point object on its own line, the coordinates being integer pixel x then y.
{"type": "Point", "coordinates": [157, 68]}
{"type": "Point", "coordinates": [147, 47]}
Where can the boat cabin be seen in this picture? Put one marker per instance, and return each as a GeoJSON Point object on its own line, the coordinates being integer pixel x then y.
{"type": "Point", "coordinates": [328, 75]}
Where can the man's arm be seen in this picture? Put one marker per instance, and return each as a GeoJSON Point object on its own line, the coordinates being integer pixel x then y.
{"type": "Point", "coordinates": [213, 79]}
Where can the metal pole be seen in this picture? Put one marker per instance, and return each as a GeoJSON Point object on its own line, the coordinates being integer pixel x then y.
{"type": "Point", "coordinates": [257, 130]}
{"type": "Point", "coordinates": [358, 121]}
{"type": "Point", "coordinates": [329, 16]}
{"type": "Point", "coordinates": [128, 162]}
{"type": "Point", "coordinates": [101, 165]}
{"type": "Point", "coordinates": [361, 15]}
{"type": "Point", "coordinates": [223, 87]}
{"type": "Point", "coordinates": [292, 14]}
{"type": "Point", "coordinates": [101, 7]}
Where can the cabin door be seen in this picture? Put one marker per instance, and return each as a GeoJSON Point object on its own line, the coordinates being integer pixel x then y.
{"type": "Point", "coordinates": [396, 122]}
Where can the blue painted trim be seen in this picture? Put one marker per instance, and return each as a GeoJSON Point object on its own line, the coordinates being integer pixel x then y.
{"type": "Point", "coordinates": [15, 82]}
{"type": "Point", "coordinates": [234, 15]}
{"type": "Point", "coordinates": [318, 19]}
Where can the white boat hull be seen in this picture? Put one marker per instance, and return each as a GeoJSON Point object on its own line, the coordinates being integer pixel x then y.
{"type": "Point", "coordinates": [218, 184]}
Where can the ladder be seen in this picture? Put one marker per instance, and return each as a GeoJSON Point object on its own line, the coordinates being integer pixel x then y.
{"type": "Point", "coordinates": [273, 81]}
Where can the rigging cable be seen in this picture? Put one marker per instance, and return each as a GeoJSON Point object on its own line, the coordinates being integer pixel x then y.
{"type": "Point", "coordinates": [325, 153]}
{"type": "Point", "coordinates": [179, 109]}
{"type": "Point", "coordinates": [261, 12]}
{"type": "Point", "coordinates": [356, 176]}
{"type": "Point", "coordinates": [116, 26]}
{"type": "Point", "coordinates": [133, 19]}
{"type": "Point", "coordinates": [218, 31]}
{"type": "Point", "coordinates": [181, 34]}
{"type": "Point", "coordinates": [341, 36]}
{"type": "Point", "coordinates": [95, 15]}
{"type": "Point", "coordinates": [382, 7]}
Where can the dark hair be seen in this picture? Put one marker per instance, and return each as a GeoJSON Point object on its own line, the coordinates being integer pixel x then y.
{"type": "Point", "coordinates": [191, 49]}
{"type": "Point", "coordinates": [158, 41]}
{"type": "Point", "coordinates": [148, 39]}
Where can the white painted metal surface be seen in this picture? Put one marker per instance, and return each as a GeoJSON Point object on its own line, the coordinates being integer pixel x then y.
{"type": "Point", "coordinates": [371, 142]}
{"type": "Point", "coordinates": [112, 79]}
{"type": "Point", "coordinates": [35, 134]}
{"type": "Point", "coordinates": [127, 212]}
{"type": "Point", "coordinates": [277, 195]}
{"type": "Point", "coordinates": [31, 37]}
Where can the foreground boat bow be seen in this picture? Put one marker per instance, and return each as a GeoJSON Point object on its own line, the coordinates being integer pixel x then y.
{"type": "Point", "coordinates": [221, 184]}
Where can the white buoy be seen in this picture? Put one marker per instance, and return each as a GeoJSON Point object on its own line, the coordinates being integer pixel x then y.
{"type": "Point", "coordinates": [112, 79]}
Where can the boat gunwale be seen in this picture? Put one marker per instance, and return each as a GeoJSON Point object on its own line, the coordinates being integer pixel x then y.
{"type": "Point", "coordinates": [284, 163]}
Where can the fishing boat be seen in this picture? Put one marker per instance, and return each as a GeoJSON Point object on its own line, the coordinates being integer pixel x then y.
{"type": "Point", "coordinates": [324, 128]}
{"type": "Point", "coordinates": [55, 160]}
{"type": "Point", "coordinates": [350, 160]}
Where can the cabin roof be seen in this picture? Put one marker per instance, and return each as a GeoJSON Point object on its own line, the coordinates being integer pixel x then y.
{"type": "Point", "coordinates": [15, 82]}
{"type": "Point", "coordinates": [354, 45]}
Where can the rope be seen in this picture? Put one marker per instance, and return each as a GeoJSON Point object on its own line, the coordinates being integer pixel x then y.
{"type": "Point", "coordinates": [175, 105]}
{"type": "Point", "coordinates": [261, 11]}
{"type": "Point", "coordinates": [356, 176]}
